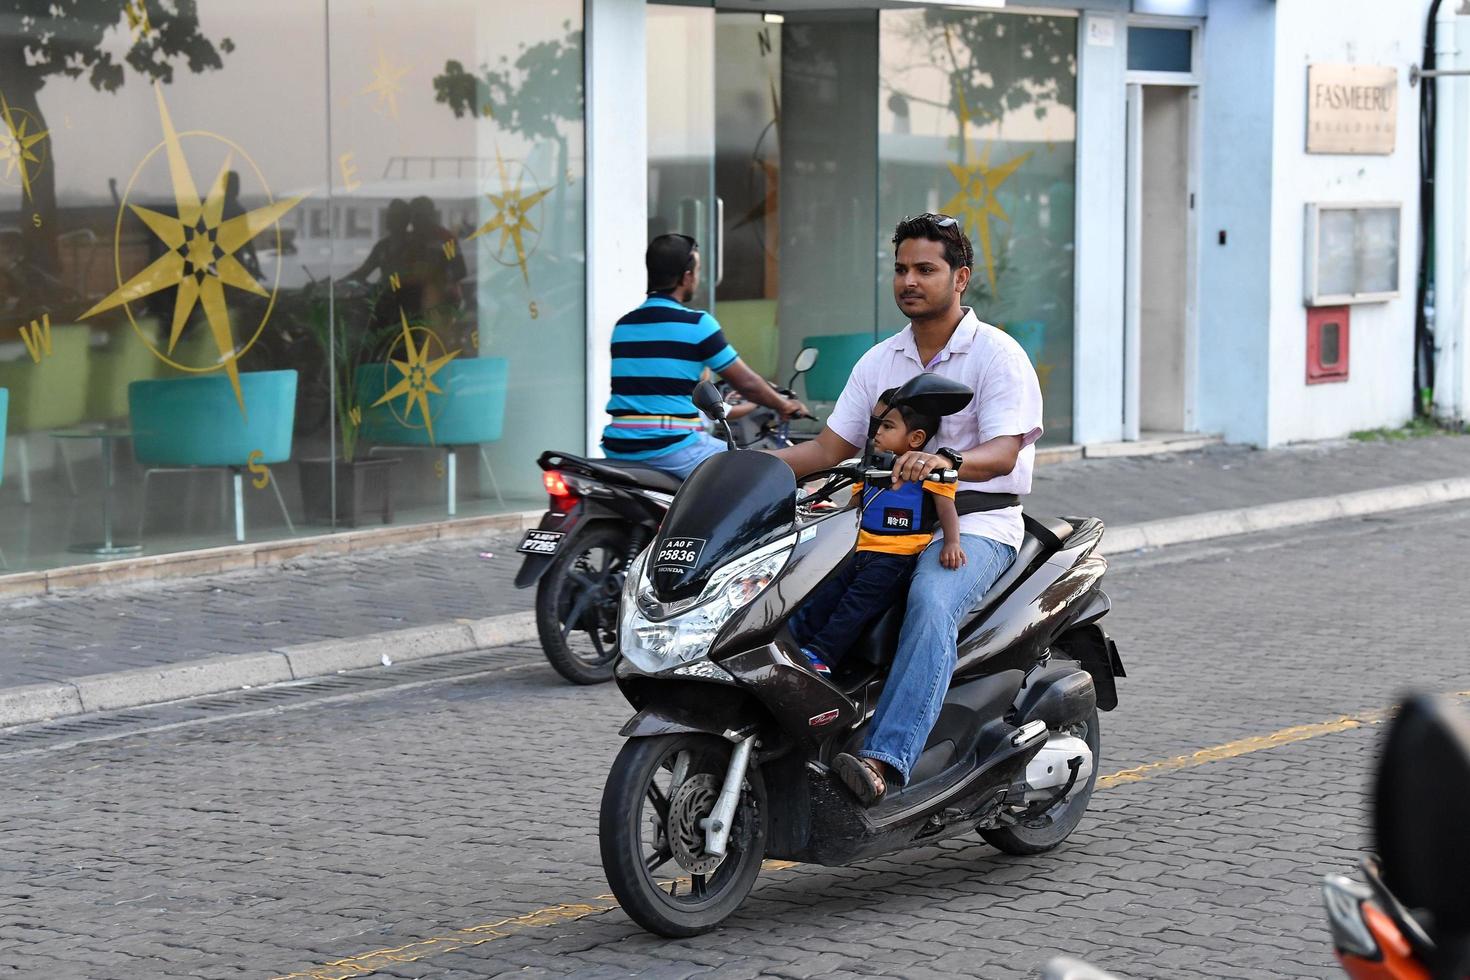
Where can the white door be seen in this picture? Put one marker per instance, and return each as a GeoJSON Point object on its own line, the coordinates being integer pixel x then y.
{"type": "Point", "coordinates": [1160, 287]}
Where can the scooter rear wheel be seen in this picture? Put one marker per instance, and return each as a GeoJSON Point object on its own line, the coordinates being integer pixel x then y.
{"type": "Point", "coordinates": [1059, 822]}
{"type": "Point", "coordinates": [577, 605]}
{"type": "Point", "coordinates": [650, 835]}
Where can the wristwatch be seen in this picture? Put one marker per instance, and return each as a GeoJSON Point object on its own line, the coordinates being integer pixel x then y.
{"type": "Point", "coordinates": [952, 456]}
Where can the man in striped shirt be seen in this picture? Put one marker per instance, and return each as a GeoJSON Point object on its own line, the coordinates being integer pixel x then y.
{"type": "Point", "coordinates": [659, 352]}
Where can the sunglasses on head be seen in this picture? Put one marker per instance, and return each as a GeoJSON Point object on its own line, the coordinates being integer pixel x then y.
{"type": "Point", "coordinates": [939, 220]}
{"type": "Point", "coordinates": [693, 247]}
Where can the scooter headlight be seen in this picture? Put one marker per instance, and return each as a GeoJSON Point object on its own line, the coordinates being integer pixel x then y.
{"type": "Point", "coordinates": [651, 643]}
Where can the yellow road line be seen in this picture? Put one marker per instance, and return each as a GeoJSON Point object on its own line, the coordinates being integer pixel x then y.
{"type": "Point", "coordinates": [367, 963]}
{"type": "Point", "coordinates": [1244, 746]}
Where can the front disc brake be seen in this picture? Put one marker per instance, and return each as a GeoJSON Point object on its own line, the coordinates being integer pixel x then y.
{"type": "Point", "coordinates": [693, 801]}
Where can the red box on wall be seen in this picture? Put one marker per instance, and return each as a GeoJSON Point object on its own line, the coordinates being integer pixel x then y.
{"type": "Point", "coordinates": [1327, 344]}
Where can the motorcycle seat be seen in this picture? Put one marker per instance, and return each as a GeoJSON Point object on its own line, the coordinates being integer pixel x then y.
{"type": "Point", "coordinates": [616, 471]}
{"type": "Point", "coordinates": [1044, 537]}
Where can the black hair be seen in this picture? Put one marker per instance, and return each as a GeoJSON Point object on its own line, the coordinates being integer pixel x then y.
{"type": "Point", "coordinates": [938, 228]}
{"type": "Point", "coordinates": [912, 417]}
{"type": "Point", "coordinates": [667, 259]}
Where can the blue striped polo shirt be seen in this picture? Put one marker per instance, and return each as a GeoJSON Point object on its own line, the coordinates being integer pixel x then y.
{"type": "Point", "coordinates": [658, 353]}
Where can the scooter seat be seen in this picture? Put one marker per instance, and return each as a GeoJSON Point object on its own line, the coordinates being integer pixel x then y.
{"type": "Point", "coordinates": [1044, 537]}
{"type": "Point", "coordinates": [615, 471]}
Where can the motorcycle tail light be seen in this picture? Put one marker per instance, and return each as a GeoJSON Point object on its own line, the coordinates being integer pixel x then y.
{"type": "Point", "coordinates": [562, 494]}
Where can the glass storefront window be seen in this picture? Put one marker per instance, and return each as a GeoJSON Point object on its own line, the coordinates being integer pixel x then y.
{"type": "Point", "coordinates": [977, 118]}
{"type": "Point", "coordinates": [220, 230]}
{"type": "Point", "coordinates": [457, 132]}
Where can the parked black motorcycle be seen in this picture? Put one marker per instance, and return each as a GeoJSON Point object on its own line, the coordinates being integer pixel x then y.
{"type": "Point", "coordinates": [602, 513]}
{"type": "Point", "coordinates": [729, 756]}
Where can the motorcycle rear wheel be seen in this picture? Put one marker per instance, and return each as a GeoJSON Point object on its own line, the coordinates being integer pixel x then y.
{"type": "Point", "coordinates": [1061, 820]}
{"type": "Point", "coordinates": [642, 825]}
{"type": "Point", "coordinates": [577, 605]}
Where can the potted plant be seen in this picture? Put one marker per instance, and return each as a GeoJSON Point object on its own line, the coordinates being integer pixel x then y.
{"type": "Point", "coordinates": [347, 488]}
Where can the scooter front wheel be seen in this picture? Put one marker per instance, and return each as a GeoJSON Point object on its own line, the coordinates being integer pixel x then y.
{"type": "Point", "coordinates": [657, 794]}
{"type": "Point", "coordinates": [577, 605]}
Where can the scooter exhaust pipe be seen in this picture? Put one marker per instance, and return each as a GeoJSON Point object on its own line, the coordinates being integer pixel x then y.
{"type": "Point", "coordinates": [717, 824]}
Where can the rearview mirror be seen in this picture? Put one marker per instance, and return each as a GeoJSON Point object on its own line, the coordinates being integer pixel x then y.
{"type": "Point", "coordinates": [933, 395]}
{"type": "Point", "coordinates": [805, 360]}
{"type": "Point", "coordinates": [707, 399]}
{"type": "Point", "coordinates": [1421, 810]}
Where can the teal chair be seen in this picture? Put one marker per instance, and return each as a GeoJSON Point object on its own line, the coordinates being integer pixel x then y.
{"type": "Point", "coordinates": [1030, 334]}
{"type": "Point", "coordinates": [190, 424]}
{"type": "Point", "coordinates": [836, 356]}
{"type": "Point", "coordinates": [470, 411]}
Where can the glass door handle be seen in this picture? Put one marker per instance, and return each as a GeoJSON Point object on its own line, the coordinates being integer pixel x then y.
{"type": "Point", "coordinates": [718, 234]}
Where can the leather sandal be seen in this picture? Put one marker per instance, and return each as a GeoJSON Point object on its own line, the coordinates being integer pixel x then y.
{"type": "Point", "coordinates": [862, 777]}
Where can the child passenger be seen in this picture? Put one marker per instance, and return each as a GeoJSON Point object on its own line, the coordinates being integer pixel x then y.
{"type": "Point", "coordinates": [897, 525]}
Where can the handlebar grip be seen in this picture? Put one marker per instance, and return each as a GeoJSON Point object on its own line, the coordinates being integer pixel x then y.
{"type": "Point", "coordinates": [938, 476]}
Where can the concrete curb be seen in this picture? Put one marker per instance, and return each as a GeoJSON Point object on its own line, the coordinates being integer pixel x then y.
{"type": "Point", "coordinates": [219, 674]}
{"type": "Point", "coordinates": [1288, 513]}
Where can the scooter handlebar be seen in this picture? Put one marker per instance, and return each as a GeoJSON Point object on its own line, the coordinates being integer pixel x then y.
{"type": "Point", "coordinates": [938, 476]}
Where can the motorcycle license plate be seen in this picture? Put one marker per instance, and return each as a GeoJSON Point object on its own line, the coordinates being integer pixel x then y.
{"type": "Point", "coordinates": [540, 542]}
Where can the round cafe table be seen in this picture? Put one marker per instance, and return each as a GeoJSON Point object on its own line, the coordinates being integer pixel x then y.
{"type": "Point", "coordinates": [106, 436]}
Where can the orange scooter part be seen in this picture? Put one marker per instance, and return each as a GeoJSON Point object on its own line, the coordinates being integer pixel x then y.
{"type": "Point", "coordinates": [1397, 962]}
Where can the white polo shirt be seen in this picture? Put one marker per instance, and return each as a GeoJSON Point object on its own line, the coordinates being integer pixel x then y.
{"type": "Point", "coordinates": [1007, 403]}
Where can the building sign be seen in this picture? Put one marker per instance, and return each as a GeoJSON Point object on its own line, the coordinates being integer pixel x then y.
{"type": "Point", "coordinates": [1351, 108]}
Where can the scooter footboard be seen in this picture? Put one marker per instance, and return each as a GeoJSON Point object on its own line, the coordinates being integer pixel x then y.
{"type": "Point", "coordinates": [820, 822]}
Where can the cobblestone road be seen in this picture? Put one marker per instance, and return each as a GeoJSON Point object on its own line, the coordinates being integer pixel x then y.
{"type": "Point", "coordinates": [106, 629]}
{"type": "Point", "coordinates": [277, 844]}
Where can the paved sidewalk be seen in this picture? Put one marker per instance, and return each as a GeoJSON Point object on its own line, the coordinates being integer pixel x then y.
{"type": "Point", "coordinates": [95, 631]}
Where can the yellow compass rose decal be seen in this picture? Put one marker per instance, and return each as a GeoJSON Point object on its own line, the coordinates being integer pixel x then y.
{"type": "Point", "coordinates": [417, 381]}
{"type": "Point", "coordinates": [17, 146]}
{"type": "Point", "coordinates": [386, 84]}
{"type": "Point", "coordinates": [975, 202]}
{"type": "Point", "coordinates": [512, 215]}
{"type": "Point", "coordinates": [201, 245]}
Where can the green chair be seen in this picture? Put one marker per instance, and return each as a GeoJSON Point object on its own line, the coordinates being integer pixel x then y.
{"type": "Point", "coordinates": [47, 394]}
{"type": "Point", "coordinates": [125, 358]}
{"type": "Point", "coordinates": [470, 411]}
{"type": "Point", "coordinates": [183, 425]}
{"type": "Point", "coordinates": [750, 327]}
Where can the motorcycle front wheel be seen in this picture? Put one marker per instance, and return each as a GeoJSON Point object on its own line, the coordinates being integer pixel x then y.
{"type": "Point", "coordinates": [1057, 824]}
{"type": "Point", "coordinates": [657, 793]}
{"type": "Point", "coordinates": [577, 605]}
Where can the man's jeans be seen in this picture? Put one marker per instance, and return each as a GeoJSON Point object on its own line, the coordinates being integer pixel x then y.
{"type": "Point", "coordinates": [681, 462]}
{"type": "Point", "coordinates": [938, 599]}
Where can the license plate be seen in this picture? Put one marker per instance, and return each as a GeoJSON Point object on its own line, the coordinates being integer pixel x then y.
{"type": "Point", "coordinates": [540, 542]}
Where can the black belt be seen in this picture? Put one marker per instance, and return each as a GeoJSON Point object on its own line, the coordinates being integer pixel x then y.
{"type": "Point", "coordinates": [975, 501]}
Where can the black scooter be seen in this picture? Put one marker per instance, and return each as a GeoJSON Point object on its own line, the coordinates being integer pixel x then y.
{"type": "Point", "coordinates": [601, 513]}
{"type": "Point", "coordinates": [728, 759]}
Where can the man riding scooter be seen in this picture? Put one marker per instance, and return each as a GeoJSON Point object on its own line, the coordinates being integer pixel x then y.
{"type": "Point", "coordinates": [659, 351]}
{"type": "Point", "coordinates": [989, 443]}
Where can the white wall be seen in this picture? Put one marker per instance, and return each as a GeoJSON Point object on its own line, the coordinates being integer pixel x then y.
{"type": "Point", "coordinates": [1379, 389]}
{"type": "Point", "coordinates": [1452, 231]}
{"type": "Point", "coordinates": [617, 180]}
{"type": "Point", "coordinates": [1097, 385]}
